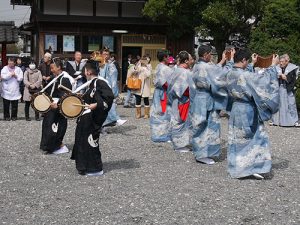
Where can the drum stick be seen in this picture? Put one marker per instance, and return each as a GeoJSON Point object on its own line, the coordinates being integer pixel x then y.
{"type": "Point", "coordinates": [45, 96]}
{"type": "Point", "coordinates": [75, 104]}
{"type": "Point", "coordinates": [64, 88]}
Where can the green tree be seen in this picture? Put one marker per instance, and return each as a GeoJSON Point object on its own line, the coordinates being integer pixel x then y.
{"type": "Point", "coordinates": [215, 18]}
{"type": "Point", "coordinates": [182, 16]}
{"type": "Point", "coordinates": [223, 19]}
{"type": "Point", "coordinates": [278, 32]}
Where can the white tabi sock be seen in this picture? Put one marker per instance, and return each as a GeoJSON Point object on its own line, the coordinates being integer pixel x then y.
{"type": "Point", "coordinates": [258, 176]}
{"type": "Point", "coordinates": [95, 174]}
{"type": "Point", "coordinates": [121, 122]}
{"type": "Point", "coordinates": [206, 160]}
{"type": "Point", "coordinates": [183, 150]}
{"type": "Point", "coordinates": [62, 150]}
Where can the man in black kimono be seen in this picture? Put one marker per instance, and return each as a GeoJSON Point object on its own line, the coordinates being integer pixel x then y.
{"type": "Point", "coordinates": [54, 124]}
{"type": "Point", "coordinates": [99, 97]}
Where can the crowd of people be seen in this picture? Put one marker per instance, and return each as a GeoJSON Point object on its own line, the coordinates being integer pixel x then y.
{"type": "Point", "coordinates": [188, 99]}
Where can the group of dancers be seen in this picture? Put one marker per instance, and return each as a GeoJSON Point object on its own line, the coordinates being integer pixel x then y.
{"type": "Point", "coordinates": [187, 104]}
{"type": "Point", "coordinates": [186, 107]}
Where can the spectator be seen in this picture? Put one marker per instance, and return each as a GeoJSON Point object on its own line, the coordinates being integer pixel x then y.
{"type": "Point", "coordinates": [113, 59]}
{"type": "Point", "coordinates": [130, 98]}
{"type": "Point", "coordinates": [45, 69]}
{"type": "Point", "coordinates": [287, 116]}
{"type": "Point", "coordinates": [144, 74]}
{"type": "Point", "coordinates": [76, 69]}
{"type": "Point", "coordinates": [11, 76]}
{"type": "Point", "coordinates": [33, 82]}
{"type": "Point", "coordinates": [125, 67]}
{"type": "Point", "coordinates": [22, 67]}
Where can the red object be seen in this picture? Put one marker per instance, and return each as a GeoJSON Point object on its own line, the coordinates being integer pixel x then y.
{"type": "Point", "coordinates": [164, 102]}
{"type": "Point", "coordinates": [184, 108]}
{"type": "Point", "coordinates": [3, 55]}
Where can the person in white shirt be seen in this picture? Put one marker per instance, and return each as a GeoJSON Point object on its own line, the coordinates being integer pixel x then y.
{"type": "Point", "coordinates": [11, 76]}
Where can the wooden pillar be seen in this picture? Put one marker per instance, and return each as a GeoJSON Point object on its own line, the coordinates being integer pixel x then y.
{"type": "Point", "coordinates": [119, 59]}
{"type": "Point", "coordinates": [3, 55]}
{"type": "Point", "coordinates": [41, 44]}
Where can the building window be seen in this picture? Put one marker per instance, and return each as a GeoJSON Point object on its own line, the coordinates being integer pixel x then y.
{"type": "Point", "coordinates": [81, 8]}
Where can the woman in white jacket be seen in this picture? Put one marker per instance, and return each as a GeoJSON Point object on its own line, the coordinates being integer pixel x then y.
{"type": "Point", "coordinates": [11, 76]}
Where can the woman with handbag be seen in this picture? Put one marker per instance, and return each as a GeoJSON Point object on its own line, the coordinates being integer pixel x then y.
{"type": "Point", "coordinates": [32, 82]}
{"type": "Point", "coordinates": [143, 73]}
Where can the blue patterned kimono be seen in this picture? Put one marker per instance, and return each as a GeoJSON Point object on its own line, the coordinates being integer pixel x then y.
{"type": "Point", "coordinates": [255, 99]}
{"type": "Point", "coordinates": [110, 73]}
{"type": "Point", "coordinates": [160, 120]}
{"type": "Point", "coordinates": [210, 97]}
{"type": "Point", "coordinates": [181, 83]}
{"type": "Point", "coordinates": [287, 115]}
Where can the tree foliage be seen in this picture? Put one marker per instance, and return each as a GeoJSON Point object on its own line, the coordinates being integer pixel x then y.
{"type": "Point", "coordinates": [215, 18]}
{"type": "Point", "coordinates": [182, 15]}
{"type": "Point", "coordinates": [279, 30]}
{"type": "Point", "coordinates": [223, 19]}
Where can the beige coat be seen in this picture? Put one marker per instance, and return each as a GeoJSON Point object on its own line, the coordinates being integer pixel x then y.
{"type": "Point", "coordinates": [35, 80]}
{"type": "Point", "coordinates": [144, 74]}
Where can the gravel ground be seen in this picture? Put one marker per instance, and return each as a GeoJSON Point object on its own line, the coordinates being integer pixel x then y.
{"type": "Point", "coordinates": [144, 183]}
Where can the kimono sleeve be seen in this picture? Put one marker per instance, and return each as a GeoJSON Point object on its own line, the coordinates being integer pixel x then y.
{"type": "Point", "coordinates": [217, 80]}
{"type": "Point", "coordinates": [265, 91]}
{"type": "Point", "coordinates": [163, 74]}
{"type": "Point", "coordinates": [113, 78]}
{"type": "Point", "coordinates": [182, 83]}
{"type": "Point", "coordinates": [103, 96]}
{"type": "Point", "coordinates": [291, 80]}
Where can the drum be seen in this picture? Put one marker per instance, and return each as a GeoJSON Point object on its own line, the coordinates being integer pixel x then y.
{"type": "Point", "coordinates": [41, 102]}
{"type": "Point", "coordinates": [71, 106]}
{"type": "Point", "coordinates": [264, 62]}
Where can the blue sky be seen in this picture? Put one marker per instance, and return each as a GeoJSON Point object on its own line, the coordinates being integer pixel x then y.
{"type": "Point", "coordinates": [20, 14]}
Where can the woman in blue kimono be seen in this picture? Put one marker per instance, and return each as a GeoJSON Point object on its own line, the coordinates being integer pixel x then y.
{"type": "Point", "coordinates": [159, 116]}
{"type": "Point", "coordinates": [109, 72]}
{"type": "Point", "coordinates": [179, 91]}
{"type": "Point", "coordinates": [210, 97]}
{"type": "Point", "coordinates": [255, 98]}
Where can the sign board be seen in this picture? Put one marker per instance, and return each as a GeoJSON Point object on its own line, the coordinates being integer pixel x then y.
{"type": "Point", "coordinates": [68, 43]}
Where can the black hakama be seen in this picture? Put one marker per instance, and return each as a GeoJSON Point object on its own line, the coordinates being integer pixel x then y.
{"type": "Point", "coordinates": [54, 124]}
{"type": "Point", "coordinates": [86, 152]}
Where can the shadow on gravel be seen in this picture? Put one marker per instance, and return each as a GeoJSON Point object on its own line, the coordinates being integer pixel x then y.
{"type": "Point", "coordinates": [121, 129]}
{"type": "Point", "coordinates": [281, 165]}
{"type": "Point", "coordinates": [121, 165]}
